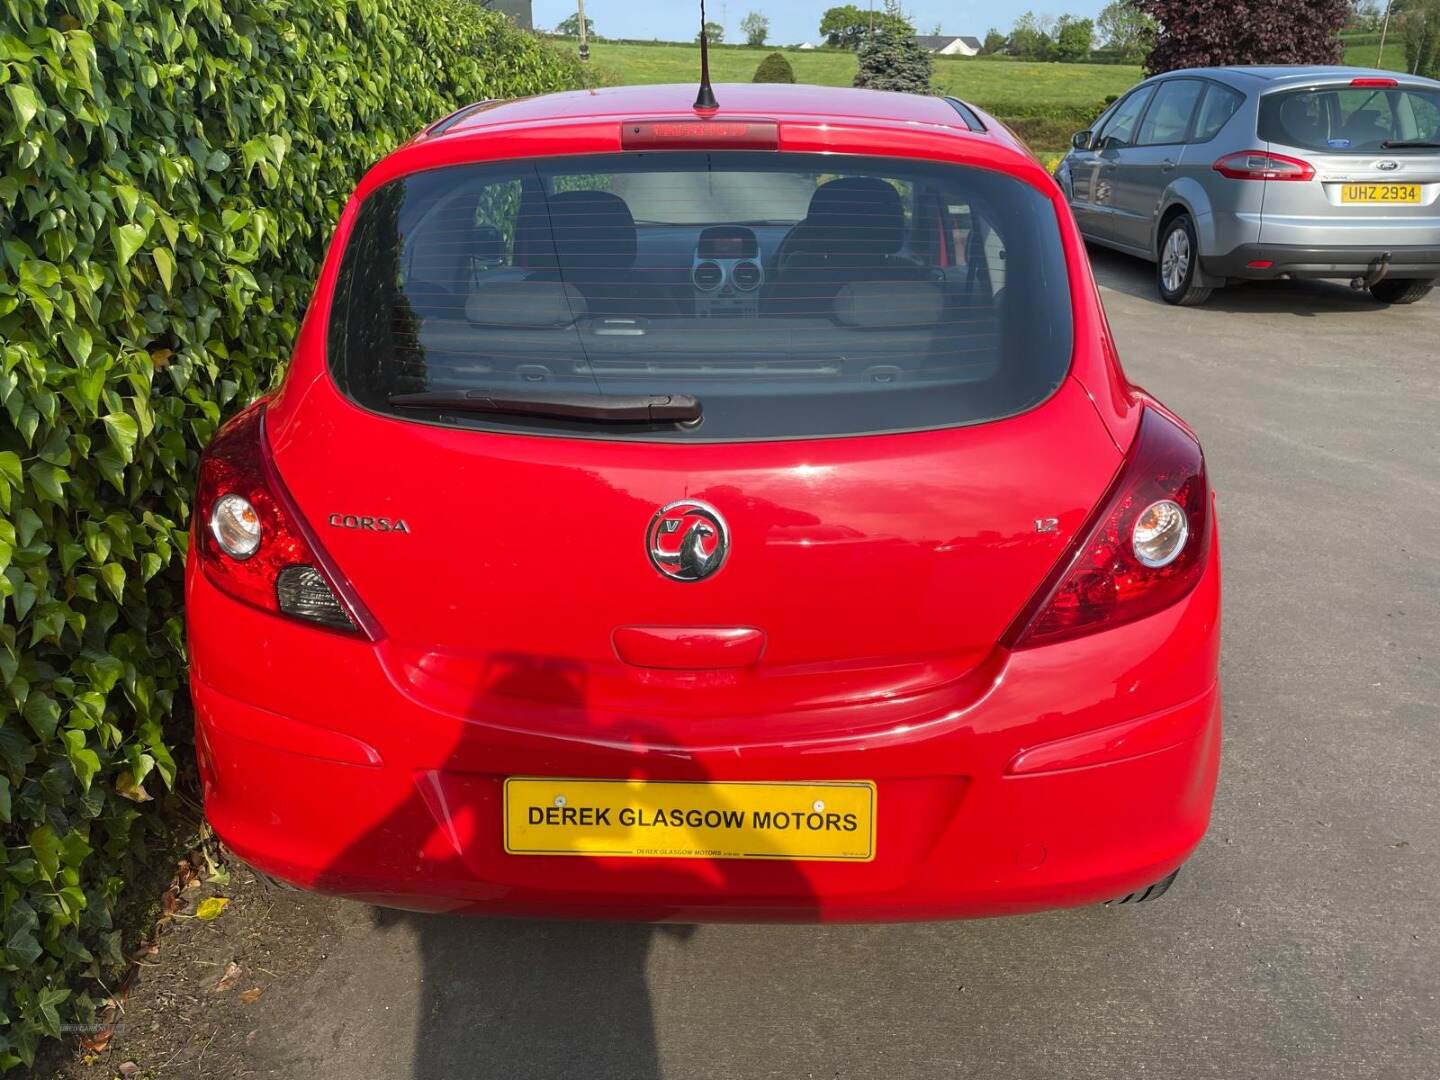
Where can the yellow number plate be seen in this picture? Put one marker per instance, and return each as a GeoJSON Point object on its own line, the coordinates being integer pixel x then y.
{"type": "Point", "coordinates": [833, 821]}
{"type": "Point", "coordinates": [1380, 193]}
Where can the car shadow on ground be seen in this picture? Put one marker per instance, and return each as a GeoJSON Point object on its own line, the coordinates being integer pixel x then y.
{"type": "Point", "coordinates": [1305, 299]}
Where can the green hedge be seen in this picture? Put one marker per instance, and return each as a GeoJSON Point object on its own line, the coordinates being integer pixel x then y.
{"type": "Point", "coordinates": [169, 172]}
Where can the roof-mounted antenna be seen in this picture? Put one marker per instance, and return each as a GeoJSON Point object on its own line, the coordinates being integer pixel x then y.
{"type": "Point", "coordinates": [705, 99]}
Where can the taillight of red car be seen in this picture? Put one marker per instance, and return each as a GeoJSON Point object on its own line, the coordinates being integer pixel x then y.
{"type": "Point", "coordinates": [1143, 549]}
{"type": "Point", "coordinates": [251, 541]}
{"type": "Point", "coordinates": [1263, 165]}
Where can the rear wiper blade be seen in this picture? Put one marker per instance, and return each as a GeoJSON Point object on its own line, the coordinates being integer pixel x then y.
{"type": "Point", "coordinates": [1422, 144]}
{"type": "Point", "coordinates": [564, 405]}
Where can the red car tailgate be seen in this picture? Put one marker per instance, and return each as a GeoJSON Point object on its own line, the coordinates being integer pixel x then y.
{"type": "Point", "coordinates": [875, 568]}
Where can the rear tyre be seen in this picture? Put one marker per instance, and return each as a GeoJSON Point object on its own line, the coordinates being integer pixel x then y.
{"type": "Point", "coordinates": [1150, 892]}
{"type": "Point", "coordinates": [1175, 272]}
{"type": "Point", "coordinates": [1401, 290]}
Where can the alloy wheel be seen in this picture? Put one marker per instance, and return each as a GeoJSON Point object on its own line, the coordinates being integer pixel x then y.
{"type": "Point", "coordinates": [1175, 259]}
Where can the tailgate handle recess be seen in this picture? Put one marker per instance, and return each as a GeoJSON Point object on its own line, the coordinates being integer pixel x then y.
{"type": "Point", "coordinates": [689, 647]}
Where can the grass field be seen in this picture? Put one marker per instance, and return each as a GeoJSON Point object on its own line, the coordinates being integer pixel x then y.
{"type": "Point", "coordinates": [1365, 55]}
{"type": "Point", "coordinates": [983, 81]}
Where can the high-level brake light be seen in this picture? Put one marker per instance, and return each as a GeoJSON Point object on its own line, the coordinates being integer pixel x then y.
{"type": "Point", "coordinates": [712, 134]}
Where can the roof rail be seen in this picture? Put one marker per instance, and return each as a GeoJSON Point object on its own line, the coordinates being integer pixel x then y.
{"type": "Point", "coordinates": [972, 121]}
{"type": "Point", "coordinates": [445, 123]}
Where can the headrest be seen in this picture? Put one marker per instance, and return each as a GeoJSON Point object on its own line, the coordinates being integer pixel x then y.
{"type": "Point", "coordinates": [889, 304]}
{"type": "Point", "coordinates": [485, 242]}
{"type": "Point", "coordinates": [861, 210]}
{"type": "Point", "coordinates": [1366, 121]}
{"type": "Point", "coordinates": [442, 257]}
{"type": "Point", "coordinates": [592, 229]}
{"type": "Point", "coordinates": [524, 304]}
{"type": "Point", "coordinates": [1300, 116]}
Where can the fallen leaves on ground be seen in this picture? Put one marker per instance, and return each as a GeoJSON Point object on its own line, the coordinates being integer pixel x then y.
{"type": "Point", "coordinates": [229, 978]}
{"type": "Point", "coordinates": [249, 997]}
{"type": "Point", "coordinates": [210, 908]}
{"type": "Point", "coordinates": [186, 873]}
{"type": "Point", "coordinates": [98, 1041]}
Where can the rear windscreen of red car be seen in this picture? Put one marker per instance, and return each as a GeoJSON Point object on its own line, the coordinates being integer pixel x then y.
{"type": "Point", "coordinates": [1358, 119]}
{"type": "Point", "coordinates": [794, 295]}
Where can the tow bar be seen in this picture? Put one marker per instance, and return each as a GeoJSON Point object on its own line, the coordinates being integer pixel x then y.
{"type": "Point", "coordinates": [1375, 272]}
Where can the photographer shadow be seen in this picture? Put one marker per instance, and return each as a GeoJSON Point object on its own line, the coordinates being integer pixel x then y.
{"type": "Point", "coordinates": [522, 998]}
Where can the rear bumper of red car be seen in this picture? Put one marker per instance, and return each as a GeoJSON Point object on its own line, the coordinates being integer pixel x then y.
{"type": "Point", "coordinates": [1085, 771]}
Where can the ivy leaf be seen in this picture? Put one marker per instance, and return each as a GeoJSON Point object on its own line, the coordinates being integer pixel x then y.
{"type": "Point", "coordinates": [123, 432]}
{"type": "Point", "coordinates": [127, 240]}
{"type": "Point", "coordinates": [10, 468]}
{"type": "Point", "coordinates": [16, 748]}
{"type": "Point", "coordinates": [113, 575]}
{"type": "Point", "coordinates": [165, 264]}
{"type": "Point", "coordinates": [254, 151]}
{"type": "Point", "coordinates": [83, 760]}
{"type": "Point", "coordinates": [47, 1001]}
{"type": "Point", "coordinates": [78, 342]}
{"type": "Point", "coordinates": [24, 102]}
{"type": "Point", "coordinates": [129, 199]}
{"type": "Point", "coordinates": [42, 712]}
{"type": "Point", "coordinates": [49, 480]}
{"type": "Point", "coordinates": [21, 946]}
{"type": "Point", "coordinates": [45, 846]}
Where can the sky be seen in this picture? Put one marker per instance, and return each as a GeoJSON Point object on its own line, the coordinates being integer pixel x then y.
{"type": "Point", "coordinates": [792, 21]}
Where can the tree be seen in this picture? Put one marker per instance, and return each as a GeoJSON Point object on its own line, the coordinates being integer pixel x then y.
{"type": "Point", "coordinates": [846, 27]}
{"type": "Point", "coordinates": [756, 28]}
{"type": "Point", "coordinates": [571, 27]}
{"type": "Point", "coordinates": [1031, 37]}
{"type": "Point", "coordinates": [714, 32]}
{"type": "Point", "coordinates": [774, 69]}
{"type": "Point", "coordinates": [1364, 15]}
{"type": "Point", "coordinates": [891, 59]}
{"type": "Point", "coordinates": [1074, 38]}
{"type": "Point", "coordinates": [995, 42]}
{"type": "Point", "coordinates": [1125, 30]}
{"type": "Point", "coordinates": [1201, 33]}
{"type": "Point", "coordinates": [1419, 28]}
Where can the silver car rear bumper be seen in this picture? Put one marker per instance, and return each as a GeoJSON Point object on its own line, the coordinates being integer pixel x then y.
{"type": "Point", "coordinates": [1288, 260]}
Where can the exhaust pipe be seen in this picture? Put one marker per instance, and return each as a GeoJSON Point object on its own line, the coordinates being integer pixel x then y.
{"type": "Point", "coordinates": [1377, 270]}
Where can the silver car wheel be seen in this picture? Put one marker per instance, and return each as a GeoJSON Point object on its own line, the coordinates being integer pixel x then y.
{"type": "Point", "coordinates": [1175, 259]}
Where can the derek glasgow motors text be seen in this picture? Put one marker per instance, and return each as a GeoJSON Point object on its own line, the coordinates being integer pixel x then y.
{"type": "Point", "coordinates": [676, 818]}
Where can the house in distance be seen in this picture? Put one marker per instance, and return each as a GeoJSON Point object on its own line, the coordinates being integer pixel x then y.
{"type": "Point", "coordinates": [948, 44]}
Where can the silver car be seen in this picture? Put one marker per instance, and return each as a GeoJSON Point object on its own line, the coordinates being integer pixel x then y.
{"type": "Point", "coordinates": [1220, 175]}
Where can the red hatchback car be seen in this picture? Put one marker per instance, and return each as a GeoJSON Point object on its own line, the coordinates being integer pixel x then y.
{"type": "Point", "coordinates": [696, 514]}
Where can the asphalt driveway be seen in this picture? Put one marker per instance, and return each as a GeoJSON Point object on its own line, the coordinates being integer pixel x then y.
{"type": "Point", "coordinates": [1302, 942]}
